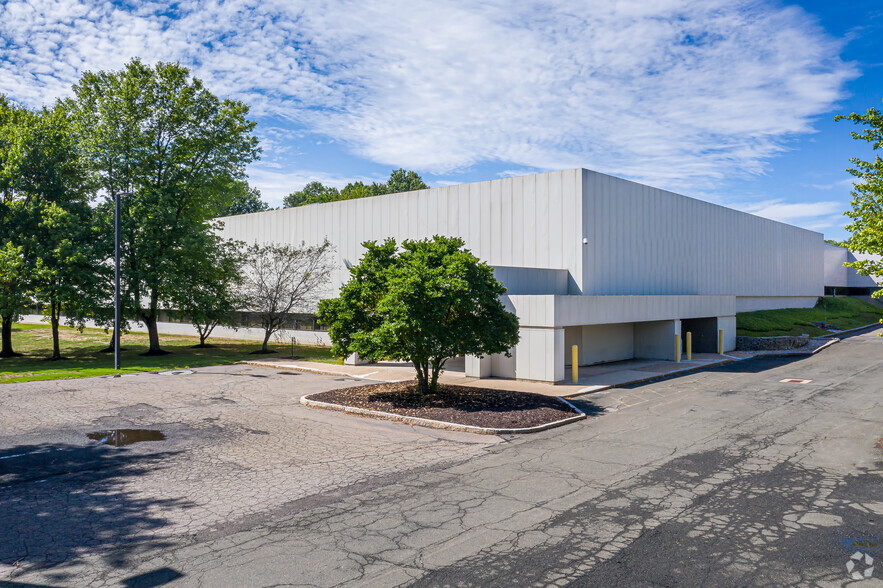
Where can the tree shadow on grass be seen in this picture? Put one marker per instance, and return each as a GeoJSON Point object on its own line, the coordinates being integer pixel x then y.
{"type": "Point", "coordinates": [60, 503]}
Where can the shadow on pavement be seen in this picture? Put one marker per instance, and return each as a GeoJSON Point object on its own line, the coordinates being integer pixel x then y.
{"type": "Point", "coordinates": [61, 502]}
{"type": "Point", "coordinates": [753, 365]}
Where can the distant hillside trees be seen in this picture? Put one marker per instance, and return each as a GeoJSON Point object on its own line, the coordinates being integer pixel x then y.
{"type": "Point", "coordinates": [242, 199]}
{"type": "Point", "coordinates": [400, 180]}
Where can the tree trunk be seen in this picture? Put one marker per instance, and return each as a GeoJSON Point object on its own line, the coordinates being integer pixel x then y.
{"type": "Point", "coordinates": [54, 312]}
{"type": "Point", "coordinates": [267, 334]}
{"type": "Point", "coordinates": [436, 370]}
{"type": "Point", "coordinates": [422, 377]}
{"type": "Point", "coordinates": [110, 346]}
{"type": "Point", "coordinates": [152, 334]}
{"type": "Point", "coordinates": [6, 346]}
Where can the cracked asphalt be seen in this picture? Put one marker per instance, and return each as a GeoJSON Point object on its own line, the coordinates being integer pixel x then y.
{"type": "Point", "coordinates": [726, 477]}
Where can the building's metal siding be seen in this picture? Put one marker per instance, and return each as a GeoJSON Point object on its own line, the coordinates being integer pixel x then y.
{"type": "Point", "coordinates": [643, 240]}
{"type": "Point", "coordinates": [506, 222]}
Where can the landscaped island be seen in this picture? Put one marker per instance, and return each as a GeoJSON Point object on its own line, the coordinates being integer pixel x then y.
{"type": "Point", "coordinates": [451, 406]}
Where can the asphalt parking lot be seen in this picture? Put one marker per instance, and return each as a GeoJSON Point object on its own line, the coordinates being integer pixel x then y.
{"type": "Point", "coordinates": [724, 477]}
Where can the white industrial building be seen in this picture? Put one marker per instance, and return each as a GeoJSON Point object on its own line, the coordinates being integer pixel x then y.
{"type": "Point", "coordinates": [613, 266]}
{"type": "Point", "coordinates": [845, 280]}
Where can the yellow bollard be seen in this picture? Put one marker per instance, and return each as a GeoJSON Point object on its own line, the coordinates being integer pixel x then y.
{"type": "Point", "coordinates": [574, 363]}
{"type": "Point", "coordinates": [720, 342]}
{"type": "Point", "coordinates": [689, 345]}
{"type": "Point", "coordinates": [677, 347]}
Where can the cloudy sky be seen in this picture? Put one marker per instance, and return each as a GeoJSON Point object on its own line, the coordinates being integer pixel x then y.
{"type": "Point", "coordinates": [726, 100]}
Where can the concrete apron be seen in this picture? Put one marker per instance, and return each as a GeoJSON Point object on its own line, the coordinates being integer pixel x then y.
{"type": "Point", "coordinates": [592, 378]}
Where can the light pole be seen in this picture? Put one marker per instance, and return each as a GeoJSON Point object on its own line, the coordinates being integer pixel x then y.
{"type": "Point", "coordinates": [117, 306]}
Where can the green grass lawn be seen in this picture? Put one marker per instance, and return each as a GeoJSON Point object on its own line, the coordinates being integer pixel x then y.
{"type": "Point", "coordinates": [842, 312]}
{"type": "Point", "coordinates": [83, 357]}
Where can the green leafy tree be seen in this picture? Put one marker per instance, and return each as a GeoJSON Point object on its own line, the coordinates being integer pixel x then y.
{"type": "Point", "coordinates": [312, 193]}
{"type": "Point", "coordinates": [54, 191]}
{"type": "Point", "coordinates": [401, 180]}
{"type": "Point", "coordinates": [430, 302]}
{"type": "Point", "coordinates": [355, 190]}
{"type": "Point", "coordinates": [280, 280]}
{"type": "Point", "coordinates": [243, 199]}
{"type": "Point", "coordinates": [14, 272]}
{"type": "Point", "coordinates": [207, 287]}
{"type": "Point", "coordinates": [161, 135]}
{"type": "Point", "coordinates": [867, 196]}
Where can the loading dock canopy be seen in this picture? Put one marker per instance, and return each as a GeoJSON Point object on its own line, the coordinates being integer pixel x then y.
{"type": "Point", "coordinates": [577, 310]}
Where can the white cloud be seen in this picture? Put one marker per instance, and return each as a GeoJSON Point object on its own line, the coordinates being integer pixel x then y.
{"type": "Point", "coordinates": [678, 94]}
{"type": "Point", "coordinates": [806, 214]}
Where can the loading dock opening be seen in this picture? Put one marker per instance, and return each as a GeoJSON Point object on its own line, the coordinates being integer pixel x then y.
{"type": "Point", "coordinates": [704, 332]}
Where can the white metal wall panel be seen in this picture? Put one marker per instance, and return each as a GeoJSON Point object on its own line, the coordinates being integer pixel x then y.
{"type": "Point", "coordinates": [506, 222]}
{"type": "Point", "coordinates": [643, 240]}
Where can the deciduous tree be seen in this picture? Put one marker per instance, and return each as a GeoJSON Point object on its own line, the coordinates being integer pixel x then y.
{"type": "Point", "coordinates": [430, 302]}
{"type": "Point", "coordinates": [54, 191]}
{"type": "Point", "coordinates": [867, 196]}
{"type": "Point", "coordinates": [160, 134]}
{"type": "Point", "coordinates": [207, 288]}
{"type": "Point", "coordinates": [280, 280]}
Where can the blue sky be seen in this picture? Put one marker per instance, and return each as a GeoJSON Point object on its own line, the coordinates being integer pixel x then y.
{"type": "Point", "coordinates": [730, 101]}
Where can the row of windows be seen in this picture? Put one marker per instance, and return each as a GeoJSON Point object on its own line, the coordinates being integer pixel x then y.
{"type": "Point", "coordinates": [298, 322]}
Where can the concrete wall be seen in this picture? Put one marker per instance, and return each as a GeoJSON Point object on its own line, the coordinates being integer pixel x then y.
{"type": "Point", "coordinates": [656, 339]}
{"type": "Point", "coordinates": [539, 355]}
{"type": "Point", "coordinates": [600, 343]}
{"type": "Point", "coordinates": [642, 240]}
{"type": "Point", "coordinates": [570, 310]}
{"type": "Point", "coordinates": [728, 325]}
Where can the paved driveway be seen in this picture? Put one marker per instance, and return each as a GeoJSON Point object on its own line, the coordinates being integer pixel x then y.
{"type": "Point", "coordinates": [239, 448]}
{"type": "Point", "coordinates": [721, 478]}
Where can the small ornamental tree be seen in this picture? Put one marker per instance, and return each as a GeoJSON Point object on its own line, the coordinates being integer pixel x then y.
{"type": "Point", "coordinates": [208, 287]}
{"type": "Point", "coordinates": [430, 302]}
{"type": "Point", "coordinates": [279, 280]}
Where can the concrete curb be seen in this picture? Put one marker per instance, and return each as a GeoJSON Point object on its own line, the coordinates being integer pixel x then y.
{"type": "Point", "coordinates": [299, 368]}
{"type": "Point", "coordinates": [849, 331]}
{"type": "Point", "coordinates": [306, 401]}
{"type": "Point", "coordinates": [649, 378]}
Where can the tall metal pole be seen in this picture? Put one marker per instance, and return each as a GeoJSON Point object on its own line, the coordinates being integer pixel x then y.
{"type": "Point", "coordinates": [117, 309]}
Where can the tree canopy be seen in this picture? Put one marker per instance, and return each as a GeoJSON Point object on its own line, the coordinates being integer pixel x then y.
{"type": "Point", "coordinates": [866, 214]}
{"type": "Point", "coordinates": [426, 303]}
{"type": "Point", "coordinates": [160, 136]}
{"type": "Point", "coordinates": [241, 199]}
{"type": "Point", "coordinates": [400, 180]}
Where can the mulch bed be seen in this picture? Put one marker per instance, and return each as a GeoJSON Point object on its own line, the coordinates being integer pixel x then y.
{"type": "Point", "coordinates": [462, 405]}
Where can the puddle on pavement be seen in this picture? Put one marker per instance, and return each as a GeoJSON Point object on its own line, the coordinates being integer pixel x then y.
{"type": "Point", "coordinates": [121, 437]}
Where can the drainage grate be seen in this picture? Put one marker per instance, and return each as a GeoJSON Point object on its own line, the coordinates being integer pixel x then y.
{"type": "Point", "coordinates": [795, 381]}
